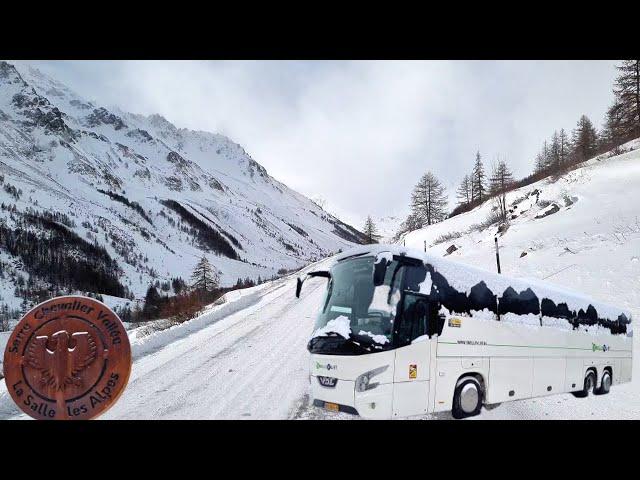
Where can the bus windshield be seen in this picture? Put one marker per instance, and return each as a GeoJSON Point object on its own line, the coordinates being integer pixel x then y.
{"type": "Point", "coordinates": [357, 310]}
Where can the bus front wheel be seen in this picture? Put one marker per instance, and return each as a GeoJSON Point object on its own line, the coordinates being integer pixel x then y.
{"type": "Point", "coordinates": [467, 398]}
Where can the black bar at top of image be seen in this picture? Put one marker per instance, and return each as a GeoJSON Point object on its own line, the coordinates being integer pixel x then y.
{"type": "Point", "coordinates": [325, 33]}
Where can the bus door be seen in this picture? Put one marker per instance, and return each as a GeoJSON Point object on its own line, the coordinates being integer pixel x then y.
{"type": "Point", "coordinates": [413, 348]}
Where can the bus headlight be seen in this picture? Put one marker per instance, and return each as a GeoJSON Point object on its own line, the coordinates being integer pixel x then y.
{"type": "Point", "coordinates": [363, 382]}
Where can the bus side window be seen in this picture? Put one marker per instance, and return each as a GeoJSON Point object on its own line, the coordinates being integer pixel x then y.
{"type": "Point", "coordinates": [415, 277]}
{"type": "Point", "coordinates": [415, 318]}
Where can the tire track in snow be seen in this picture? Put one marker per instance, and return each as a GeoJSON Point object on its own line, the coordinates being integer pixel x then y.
{"type": "Point", "coordinates": [276, 371]}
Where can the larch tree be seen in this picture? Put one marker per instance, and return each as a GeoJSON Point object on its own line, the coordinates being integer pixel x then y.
{"type": "Point", "coordinates": [370, 230]}
{"type": "Point", "coordinates": [546, 154]}
{"type": "Point", "coordinates": [627, 93]}
{"type": "Point", "coordinates": [152, 303]}
{"type": "Point", "coordinates": [542, 159]}
{"type": "Point", "coordinates": [540, 163]}
{"type": "Point", "coordinates": [465, 192]}
{"type": "Point", "coordinates": [204, 277]}
{"type": "Point", "coordinates": [429, 200]}
{"type": "Point", "coordinates": [500, 182]}
{"type": "Point", "coordinates": [478, 179]}
{"type": "Point", "coordinates": [554, 153]}
{"type": "Point", "coordinates": [564, 148]}
{"type": "Point", "coordinates": [614, 132]}
{"type": "Point", "coordinates": [585, 140]}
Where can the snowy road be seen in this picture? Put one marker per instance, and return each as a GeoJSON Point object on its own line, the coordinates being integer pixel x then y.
{"type": "Point", "coordinates": [252, 364]}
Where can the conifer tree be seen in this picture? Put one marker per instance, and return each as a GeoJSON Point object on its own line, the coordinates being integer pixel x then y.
{"type": "Point", "coordinates": [204, 278]}
{"type": "Point", "coordinates": [614, 132]}
{"type": "Point", "coordinates": [464, 193]}
{"type": "Point", "coordinates": [585, 140]}
{"type": "Point", "coordinates": [554, 153]}
{"type": "Point", "coordinates": [563, 154]}
{"type": "Point", "coordinates": [627, 94]}
{"type": "Point", "coordinates": [479, 179]}
{"type": "Point", "coordinates": [429, 200]}
{"type": "Point", "coordinates": [152, 303]}
{"type": "Point", "coordinates": [501, 181]}
{"type": "Point", "coordinates": [540, 164]}
{"type": "Point", "coordinates": [370, 230]}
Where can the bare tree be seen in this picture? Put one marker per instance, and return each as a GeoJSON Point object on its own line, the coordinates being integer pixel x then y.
{"type": "Point", "coordinates": [501, 182]}
{"type": "Point", "coordinates": [429, 200]}
{"type": "Point", "coordinates": [541, 163]}
{"type": "Point", "coordinates": [465, 191]}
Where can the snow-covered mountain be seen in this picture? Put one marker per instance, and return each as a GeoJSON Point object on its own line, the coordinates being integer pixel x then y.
{"type": "Point", "coordinates": [387, 226]}
{"type": "Point", "coordinates": [110, 202]}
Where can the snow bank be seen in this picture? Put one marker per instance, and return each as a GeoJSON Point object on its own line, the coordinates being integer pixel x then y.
{"type": "Point", "coordinates": [229, 303]}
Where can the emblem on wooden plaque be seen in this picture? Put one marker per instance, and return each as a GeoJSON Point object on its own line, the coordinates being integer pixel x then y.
{"type": "Point", "coordinates": [67, 358]}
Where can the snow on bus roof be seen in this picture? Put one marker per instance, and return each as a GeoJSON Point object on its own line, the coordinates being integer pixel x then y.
{"type": "Point", "coordinates": [463, 277]}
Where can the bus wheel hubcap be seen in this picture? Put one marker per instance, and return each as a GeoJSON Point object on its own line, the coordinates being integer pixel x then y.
{"type": "Point", "coordinates": [469, 398]}
{"type": "Point", "coordinates": [606, 382]}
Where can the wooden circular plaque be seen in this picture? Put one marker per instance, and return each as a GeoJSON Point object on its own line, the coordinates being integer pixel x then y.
{"type": "Point", "coordinates": [69, 358]}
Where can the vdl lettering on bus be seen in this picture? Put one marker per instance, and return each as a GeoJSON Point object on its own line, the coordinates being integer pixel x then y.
{"type": "Point", "coordinates": [411, 334]}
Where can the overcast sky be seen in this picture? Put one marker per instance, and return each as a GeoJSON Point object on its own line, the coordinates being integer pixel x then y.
{"type": "Point", "coordinates": [359, 134]}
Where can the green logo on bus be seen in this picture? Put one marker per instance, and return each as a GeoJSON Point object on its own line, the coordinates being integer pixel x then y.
{"type": "Point", "coordinates": [602, 348]}
{"type": "Point", "coordinates": [328, 366]}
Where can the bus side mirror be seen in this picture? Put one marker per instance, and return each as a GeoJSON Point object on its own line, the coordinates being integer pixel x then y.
{"type": "Point", "coordinates": [298, 287]}
{"type": "Point", "coordinates": [437, 324]}
{"type": "Point", "coordinates": [319, 273]}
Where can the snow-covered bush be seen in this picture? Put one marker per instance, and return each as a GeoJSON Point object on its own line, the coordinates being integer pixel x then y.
{"type": "Point", "coordinates": [494, 218]}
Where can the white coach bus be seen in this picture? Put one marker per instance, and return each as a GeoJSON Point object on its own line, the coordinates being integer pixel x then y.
{"type": "Point", "coordinates": [402, 333]}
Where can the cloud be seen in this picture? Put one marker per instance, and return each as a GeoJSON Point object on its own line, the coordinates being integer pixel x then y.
{"type": "Point", "coordinates": [359, 134]}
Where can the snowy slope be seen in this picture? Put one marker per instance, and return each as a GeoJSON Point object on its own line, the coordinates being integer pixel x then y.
{"type": "Point", "coordinates": [59, 150]}
{"type": "Point", "coordinates": [591, 244]}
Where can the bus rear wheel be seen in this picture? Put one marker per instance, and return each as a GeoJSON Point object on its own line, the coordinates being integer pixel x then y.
{"type": "Point", "coordinates": [605, 385]}
{"type": "Point", "coordinates": [589, 385]}
{"type": "Point", "coordinates": [467, 398]}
